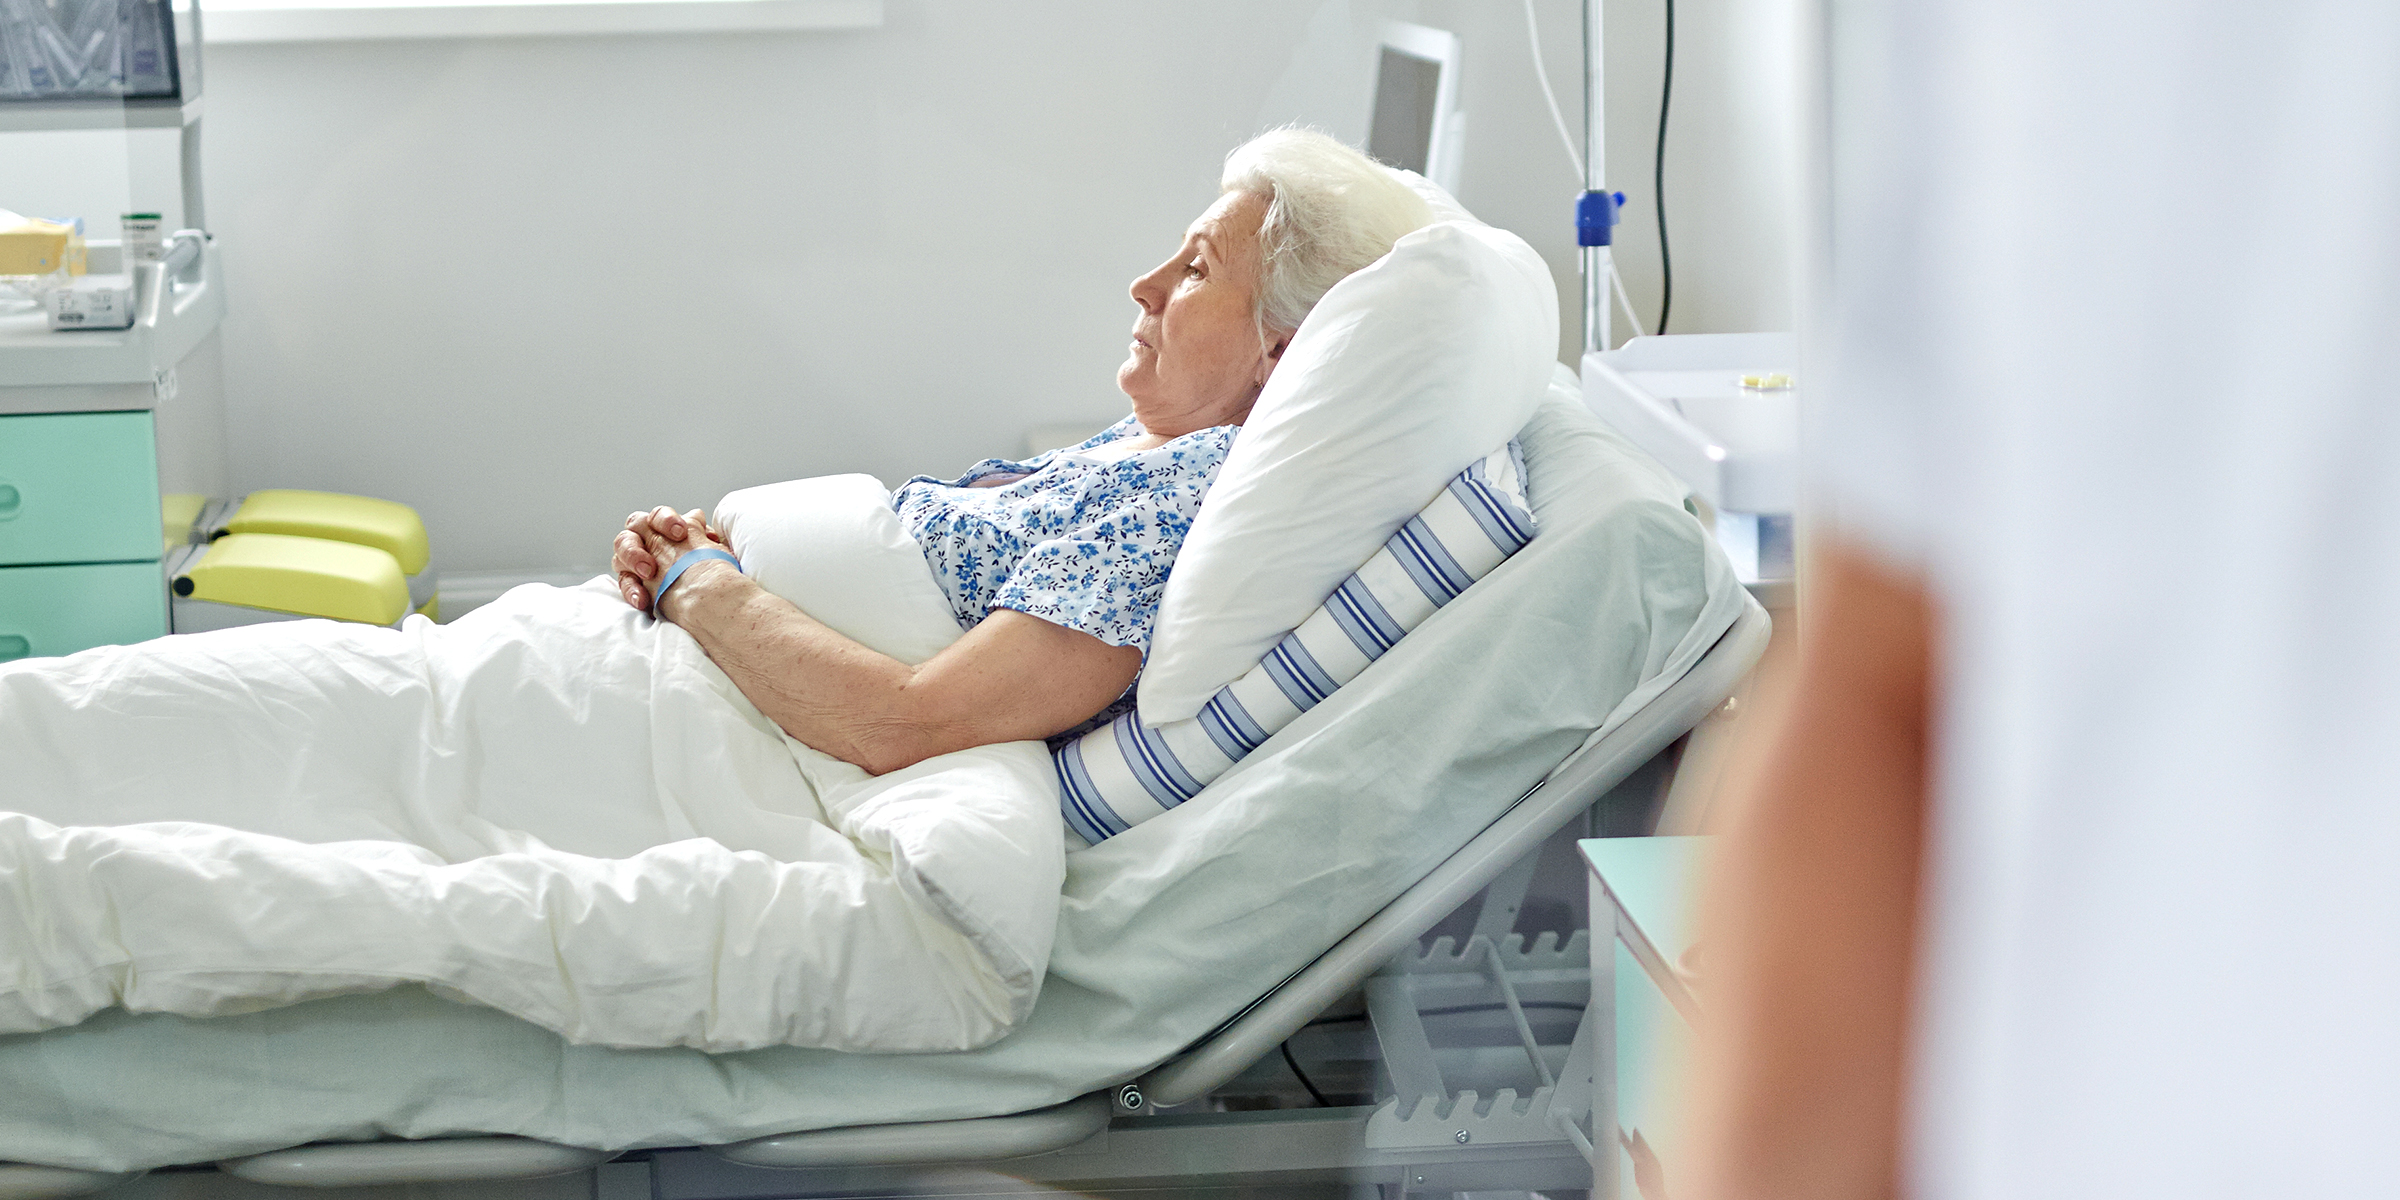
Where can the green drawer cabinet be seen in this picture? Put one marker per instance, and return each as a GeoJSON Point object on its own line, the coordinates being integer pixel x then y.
{"type": "Point", "coordinates": [60, 610]}
{"type": "Point", "coordinates": [79, 533]}
{"type": "Point", "coordinates": [78, 488]}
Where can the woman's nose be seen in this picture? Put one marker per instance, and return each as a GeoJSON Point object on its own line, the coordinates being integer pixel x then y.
{"type": "Point", "coordinates": [1146, 291]}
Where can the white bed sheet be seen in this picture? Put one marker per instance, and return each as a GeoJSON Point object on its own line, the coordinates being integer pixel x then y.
{"type": "Point", "coordinates": [1164, 932]}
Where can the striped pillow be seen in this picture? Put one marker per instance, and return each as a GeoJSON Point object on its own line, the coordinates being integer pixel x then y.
{"type": "Point", "coordinates": [1125, 772]}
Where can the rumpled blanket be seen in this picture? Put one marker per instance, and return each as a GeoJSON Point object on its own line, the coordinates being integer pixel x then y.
{"type": "Point", "coordinates": [554, 806]}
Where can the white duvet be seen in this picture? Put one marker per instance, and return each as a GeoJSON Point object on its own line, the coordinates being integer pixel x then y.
{"type": "Point", "coordinates": [554, 806]}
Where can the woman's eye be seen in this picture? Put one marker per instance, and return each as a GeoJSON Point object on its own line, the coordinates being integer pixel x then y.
{"type": "Point", "coordinates": [1191, 270]}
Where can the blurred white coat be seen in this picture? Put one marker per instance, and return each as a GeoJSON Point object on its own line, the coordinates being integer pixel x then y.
{"type": "Point", "coordinates": [2116, 310]}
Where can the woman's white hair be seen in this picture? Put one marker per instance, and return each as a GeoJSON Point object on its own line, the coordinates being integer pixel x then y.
{"type": "Point", "coordinates": [1330, 211]}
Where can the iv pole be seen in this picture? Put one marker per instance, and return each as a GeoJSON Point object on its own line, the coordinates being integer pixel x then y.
{"type": "Point", "coordinates": [1596, 210]}
{"type": "Point", "coordinates": [1595, 222]}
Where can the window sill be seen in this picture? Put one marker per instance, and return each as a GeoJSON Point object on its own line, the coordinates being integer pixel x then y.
{"type": "Point", "coordinates": [237, 21]}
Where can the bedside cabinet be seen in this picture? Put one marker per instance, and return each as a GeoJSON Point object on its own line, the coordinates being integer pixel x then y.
{"type": "Point", "coordinates": [92, 422]}
{"type": "Point", "coordinates": [79, 533]}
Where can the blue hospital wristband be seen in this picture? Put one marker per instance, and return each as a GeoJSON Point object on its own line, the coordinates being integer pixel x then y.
{"type": "Point", "coordinates": [682, 563]}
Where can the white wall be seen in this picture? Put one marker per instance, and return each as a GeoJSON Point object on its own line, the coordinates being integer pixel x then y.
{"type": "Point", "coordinates": [528, 285]}
{"type": "Point", "coordinates": [1733, 168]}
{"type": "Point", "coordinates": [93, 175]}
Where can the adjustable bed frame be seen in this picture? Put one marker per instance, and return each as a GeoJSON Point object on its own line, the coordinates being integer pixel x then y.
{"type": "Point", "coordinates": [1529, 1001]}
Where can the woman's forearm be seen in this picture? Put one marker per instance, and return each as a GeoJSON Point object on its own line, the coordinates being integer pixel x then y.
{"type": "Point", "coordinates": [1012, 677]}
{"type": "Point", "coordinates": [821, 687]}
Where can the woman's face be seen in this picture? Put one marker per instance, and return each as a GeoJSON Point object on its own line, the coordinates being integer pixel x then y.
{"type": "Point", "coordinates": [1196, 360]}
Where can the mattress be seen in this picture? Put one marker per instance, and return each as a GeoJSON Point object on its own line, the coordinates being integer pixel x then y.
{"type": "Point", "coordinates": [1165, 931]}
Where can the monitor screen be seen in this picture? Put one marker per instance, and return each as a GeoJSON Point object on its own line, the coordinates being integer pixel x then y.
{"type": "Point", "coordinates": [1406, 88]}
{"type": "Point", "coordinates": [87, 50]}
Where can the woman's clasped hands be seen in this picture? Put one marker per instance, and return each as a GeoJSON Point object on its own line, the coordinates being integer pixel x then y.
{"type": "Point", "coordinates": [649, 545]}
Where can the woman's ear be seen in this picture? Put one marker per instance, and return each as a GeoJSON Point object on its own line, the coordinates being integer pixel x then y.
{"type": "Point", "coordinates": [1275, 349]}
{"type": "Point", "coordinates": [1270, 358]}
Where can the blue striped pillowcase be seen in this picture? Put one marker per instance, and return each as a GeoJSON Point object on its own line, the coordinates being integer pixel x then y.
{"type": "Point", "coordinates": [1125, 772]}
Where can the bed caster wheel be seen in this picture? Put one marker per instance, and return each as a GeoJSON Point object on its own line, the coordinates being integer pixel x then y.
{"type": "Point", "coordinates": [1130, 1099]}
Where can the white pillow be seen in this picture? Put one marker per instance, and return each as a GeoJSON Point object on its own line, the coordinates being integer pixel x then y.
{"type": "Point", "coordinates": [1403, 374]}
{"type": "Point", "coordinates": [833, 546]}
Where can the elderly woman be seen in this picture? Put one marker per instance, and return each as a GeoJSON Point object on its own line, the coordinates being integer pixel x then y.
{"type": "Point", "coordinates": [1056, 566]}
{"type": "Point", "coordinates": [555, 808]}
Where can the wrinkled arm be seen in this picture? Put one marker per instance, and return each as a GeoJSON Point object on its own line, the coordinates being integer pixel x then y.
{"type": "Point", "coordinates": [1811, 918]}
{"type": "Point", "coordinates": [1011, 677]}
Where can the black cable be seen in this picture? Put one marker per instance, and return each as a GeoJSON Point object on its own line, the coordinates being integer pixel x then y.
{"type": "Point", "coordinates": [1658, 179]}
{"type": "Point", "coordinates": [1294, 1064]}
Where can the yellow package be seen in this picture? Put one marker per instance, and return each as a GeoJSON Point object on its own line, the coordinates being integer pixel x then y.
{"type": "Point", "coordinates": [31, 246]}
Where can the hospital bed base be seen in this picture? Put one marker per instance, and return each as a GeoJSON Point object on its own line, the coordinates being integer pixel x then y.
{"type": "Point", "coordinates": [1490, 1076]}
{"type": "Point", "coordinates": [1305, 1151]}
{"type": "Point", "coordinates": [1120, 1138]}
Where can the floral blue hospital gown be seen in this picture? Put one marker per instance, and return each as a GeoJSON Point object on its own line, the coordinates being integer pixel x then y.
{"type": "Point", "coordinates": [1080, 537]}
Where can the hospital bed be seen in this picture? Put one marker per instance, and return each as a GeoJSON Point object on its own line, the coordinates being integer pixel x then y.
{"type": "Point", "coordinates": [1154, 1127]}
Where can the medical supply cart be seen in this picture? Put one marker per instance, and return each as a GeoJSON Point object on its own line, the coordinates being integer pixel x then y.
{"type": "Point", "coordinates": [97, 424]}
{"type": "Point", "coordinates": [94, 426]}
